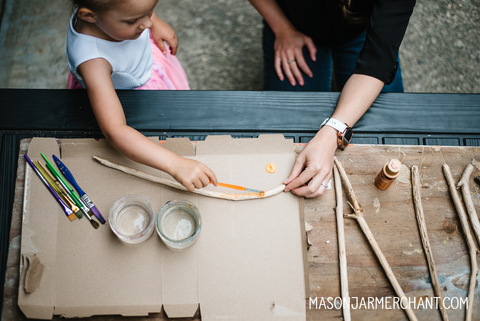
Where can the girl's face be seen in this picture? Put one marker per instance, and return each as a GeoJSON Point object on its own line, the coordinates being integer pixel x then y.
{"type": "Point", "coordinates": [127, 20]}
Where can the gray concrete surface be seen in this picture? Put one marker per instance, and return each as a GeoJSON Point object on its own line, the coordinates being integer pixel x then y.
{"type": "Point", "coordinates": [220, 44]}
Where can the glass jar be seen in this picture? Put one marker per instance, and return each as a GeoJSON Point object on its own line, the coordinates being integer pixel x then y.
{"type": "Point", "coordinates": [132, 218]}
{"type": "Point", "coordinates": [178, 224]}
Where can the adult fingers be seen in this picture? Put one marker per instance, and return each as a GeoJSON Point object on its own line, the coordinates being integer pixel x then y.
{"type": "Point", "coordinates": [286, 67]}
{"type": "Point", "coordinates": [296, 72]}
{"type": "Point", "coordinates": [302, 64]}
{"type": "Point", "coordinates": [301, 179]}
{"type": "Point", "coordinates": [313, 186]}
{"type": "Point", "coordinates": [296, 170]}
{"type": "Point", "coordinates": [311, 48]}
{"type": "Point", "coordinates": [278, 66]}
{"type": "Point", "coordinates": [316, 187]}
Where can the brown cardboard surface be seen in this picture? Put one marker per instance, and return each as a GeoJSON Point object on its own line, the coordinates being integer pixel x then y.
{"type": "Point", "coordinates": [248, 263]}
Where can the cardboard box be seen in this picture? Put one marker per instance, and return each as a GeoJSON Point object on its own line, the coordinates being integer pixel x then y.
{"type": "Point", "coordinates": [248, 263]}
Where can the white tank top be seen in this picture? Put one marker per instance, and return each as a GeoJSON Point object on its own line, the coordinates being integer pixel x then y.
{"type": "Point", "coordinates": [131, 60]}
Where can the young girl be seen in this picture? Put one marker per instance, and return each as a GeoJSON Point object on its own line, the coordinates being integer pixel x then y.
{"type": "Point", "coordinates": [119, 44]}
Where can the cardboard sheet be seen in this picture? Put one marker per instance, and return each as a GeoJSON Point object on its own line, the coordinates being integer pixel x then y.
{"type": "Point", "coordinates": [248, 263]}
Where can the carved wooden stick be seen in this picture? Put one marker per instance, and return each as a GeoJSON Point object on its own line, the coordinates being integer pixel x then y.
{"type": "Point", "coordinates": [358, 215]}
{"type": "Point", "coordinates": [467, 198]}
{"type": "Point", "coordinates": [341, 243]}
{"type": "Point", "coordinates": [417, 201]}
{"type": "Point", "coordinates": [466, 231]}
{"type": "Point", "coordinates": [167, 182]}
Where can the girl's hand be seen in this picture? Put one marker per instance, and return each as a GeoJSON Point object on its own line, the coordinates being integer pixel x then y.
{"type": "Point", "coordinates": [288, 55]}
{"type": "Point", "coordinates": [192, 174]}
{"type": "Point", "coordinates": [161, 31]}
{"type": "Point", "coordinates": [313, 166]}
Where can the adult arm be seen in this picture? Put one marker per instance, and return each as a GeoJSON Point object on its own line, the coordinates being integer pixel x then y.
{"type": "Point", "coordinates": [314, 164]}
{"type": "Point", "coordinates": [288, 42]}
{"type": "Point", "coordinates": [111, 119]}
{"type": "Point", "coordinates": [375, 67]}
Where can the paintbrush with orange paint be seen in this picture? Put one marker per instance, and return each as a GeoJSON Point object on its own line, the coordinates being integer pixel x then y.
{"type": "Point", "coordinates": [241, 188]}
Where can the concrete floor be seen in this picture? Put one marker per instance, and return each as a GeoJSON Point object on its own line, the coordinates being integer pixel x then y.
{"type": "Point", "coordinates": [220, 44]}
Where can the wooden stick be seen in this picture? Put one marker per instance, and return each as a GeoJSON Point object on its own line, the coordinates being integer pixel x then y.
{"type": "Point", "coordinates": [167, 182]}
{"type": "Point", "coordinates": [358, 215]}
{"type": "Point", "coordinates": [417, 201]}
{"type": "Point", "coordinates": [341, 244]}
{"type": "Point", "coordinates": [464, 183]}
{"type": "Point", "coordinates": [466, 231]}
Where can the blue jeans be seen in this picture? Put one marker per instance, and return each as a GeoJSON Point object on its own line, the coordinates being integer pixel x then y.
{"type": "Point", "coordinates": [342, 60]}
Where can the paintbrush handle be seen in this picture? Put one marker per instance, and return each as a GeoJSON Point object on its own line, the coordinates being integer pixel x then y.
{"type": "Point", "coordinates": [83, 196]}
{"type": "Point", "coordinates": [66, 209]}
{"type": "Point", "coordinates": [64, 170]}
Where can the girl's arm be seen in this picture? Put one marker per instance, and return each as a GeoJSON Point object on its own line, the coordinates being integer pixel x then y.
{"type": "Point", "coordinates": [161, 31]}
{"type": "Point", "coordinates": [314, 164]}
{"type": "Point", "coordinates": [111, 119]}
{"type": "Point", "coordinates": [288, 42]}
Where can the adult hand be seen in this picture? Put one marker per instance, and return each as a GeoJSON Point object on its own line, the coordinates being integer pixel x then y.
{"type": "Point", "coordinates": [192, 174]}
{"type": "Point", "coordinates": [289, 57]}
{"type": "Point", "coordinates": [161, 31]}
{"type": "Point", "coordinates": [313, 166]}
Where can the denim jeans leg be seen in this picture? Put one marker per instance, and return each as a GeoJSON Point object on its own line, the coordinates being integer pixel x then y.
{"type": "Point", "coordinates": [345, 60]}
{"type": "Point", "coordinates": [321, 68]}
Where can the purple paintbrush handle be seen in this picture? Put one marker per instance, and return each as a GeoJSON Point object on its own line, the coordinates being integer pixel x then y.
{"type": "Point", "coordinates": [97, 214]}
{"type": "Point", "coordinates": [66, 209]}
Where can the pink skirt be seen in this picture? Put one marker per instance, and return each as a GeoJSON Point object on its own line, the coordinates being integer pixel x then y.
{"type": "Point", "coordinates": [167, 73]}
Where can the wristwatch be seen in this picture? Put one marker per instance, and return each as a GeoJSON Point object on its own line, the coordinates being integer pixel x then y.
{"type": "Point", "coordinates": [344, 132]}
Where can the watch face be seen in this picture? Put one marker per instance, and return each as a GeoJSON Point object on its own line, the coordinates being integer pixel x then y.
{"type": "Point", "coordinates": [348, 135]}
{"type": "Point", "coordinates": [345, 138]}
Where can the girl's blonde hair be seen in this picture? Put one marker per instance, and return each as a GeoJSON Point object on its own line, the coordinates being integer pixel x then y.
{"type": "Point", "coordinates": [99, 6]}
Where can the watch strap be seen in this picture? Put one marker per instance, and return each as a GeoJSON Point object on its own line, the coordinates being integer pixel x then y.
{"type": "Point", "coordinates": [335, 123]}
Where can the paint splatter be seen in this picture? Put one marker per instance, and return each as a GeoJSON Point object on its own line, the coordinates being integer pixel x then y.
{"type": "Point", "coordinates": [271, 168]}
{"type": "Point", "coordinates": [404, 176]}
{"type": "Point", "coordinates": [376, 205]}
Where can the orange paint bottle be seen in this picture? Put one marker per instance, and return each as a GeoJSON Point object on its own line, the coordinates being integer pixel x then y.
{"type": "Point", "coordinates": [388, 174]}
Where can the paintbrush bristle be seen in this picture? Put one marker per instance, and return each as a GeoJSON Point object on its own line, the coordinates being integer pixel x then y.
{"type": "Point", "coordinates": [72, 217]}
{"type": "Point", "coordinates": [94, 224]}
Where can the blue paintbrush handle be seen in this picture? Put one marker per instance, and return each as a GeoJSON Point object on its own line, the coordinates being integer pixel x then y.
{"type": "Point", "coordinates": [64, 170]}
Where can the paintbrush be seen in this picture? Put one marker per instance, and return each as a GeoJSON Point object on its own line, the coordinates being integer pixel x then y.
{"type": "Point", "coordinates": [56, 188]}
{"type": "Point", "coordinates": [67, 187]}
{"type": "Point", "coordinates": [65, 195]}
{"type": "Point", "coordinates": [82, 194]}
{"type": "Point", "coordinates": [71, 216]}
{"type": "Point", "coordinates": [241, 188]}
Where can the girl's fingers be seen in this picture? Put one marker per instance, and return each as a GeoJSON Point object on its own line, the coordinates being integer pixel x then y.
{"type": "Point", "coordinates": [205, 180]}
{"type": "Point", "coordinates": [211, 177]}
{"type": "Point", "coordinates": [162, 47]}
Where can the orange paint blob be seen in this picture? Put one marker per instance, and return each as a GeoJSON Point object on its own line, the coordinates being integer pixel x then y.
{"type": "Point", "coordinates": [271, 168]}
